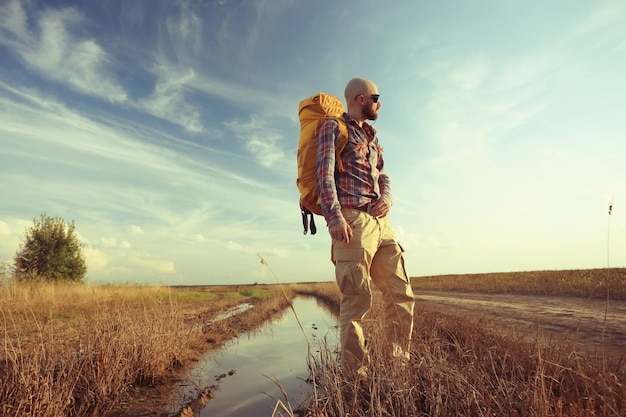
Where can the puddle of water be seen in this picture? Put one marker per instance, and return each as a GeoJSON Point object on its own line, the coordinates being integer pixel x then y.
{"type": "Point", "coordinates": [232, 312]}
{"type": "Point", "coordinates": [278, 352]}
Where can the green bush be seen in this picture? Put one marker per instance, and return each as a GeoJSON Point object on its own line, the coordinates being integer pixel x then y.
{"type": "Point", "coordinates": [51, 251]}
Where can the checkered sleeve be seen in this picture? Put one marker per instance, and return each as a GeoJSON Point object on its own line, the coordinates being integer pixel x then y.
{"type": "Point", "coordinates": [326, 187]}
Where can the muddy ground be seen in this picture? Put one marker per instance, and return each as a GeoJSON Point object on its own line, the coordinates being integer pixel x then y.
{"type": "Point", "coordinates": [577, 320]}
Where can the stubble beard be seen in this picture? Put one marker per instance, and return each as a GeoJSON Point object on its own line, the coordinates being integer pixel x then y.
{"type": "Point", "coordinates": [371, 113]}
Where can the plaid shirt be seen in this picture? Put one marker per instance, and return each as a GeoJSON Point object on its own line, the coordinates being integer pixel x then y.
{"type": "Point", "coordinates": [363, 179]}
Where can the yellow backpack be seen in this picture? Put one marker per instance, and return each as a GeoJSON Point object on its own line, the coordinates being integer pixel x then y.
{"type": "Point", "coordinates": [313, 111]}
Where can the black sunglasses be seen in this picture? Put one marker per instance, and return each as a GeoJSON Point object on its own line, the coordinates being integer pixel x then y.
{"type": "Point", "coordinates": [374, 97]}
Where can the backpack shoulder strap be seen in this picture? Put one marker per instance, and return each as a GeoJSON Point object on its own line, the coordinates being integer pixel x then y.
{"type": "Point", "coordinates": [341, 142]}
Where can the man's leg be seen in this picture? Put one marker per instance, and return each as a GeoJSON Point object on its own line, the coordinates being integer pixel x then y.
{"type": "Point", "coordinates": [352, 263]}
{"type": "Point", "coordinates": [389, 275]}
{"type": "Point", "coordinates": [356, 301]}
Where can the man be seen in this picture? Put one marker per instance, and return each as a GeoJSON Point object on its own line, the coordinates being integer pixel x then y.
{"type": "Point", "coordinates": [355, 202]}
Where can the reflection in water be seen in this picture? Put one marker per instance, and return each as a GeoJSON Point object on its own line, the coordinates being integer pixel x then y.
{"type": "Point", "coordinates": [277, 353]}
{"type": "Point", "coordinates": [232, 312]}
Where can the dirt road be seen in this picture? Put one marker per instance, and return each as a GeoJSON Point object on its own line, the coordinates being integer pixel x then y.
{"type": "Point", "coordinates": [581, 321]}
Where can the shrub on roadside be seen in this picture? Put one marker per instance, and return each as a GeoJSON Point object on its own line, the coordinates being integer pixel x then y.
{"type": "Point", "coordinates": [51, 251]}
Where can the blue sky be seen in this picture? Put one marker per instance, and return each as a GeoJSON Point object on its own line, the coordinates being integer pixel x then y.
{"type": "Point", "coordinates": [167, 130]}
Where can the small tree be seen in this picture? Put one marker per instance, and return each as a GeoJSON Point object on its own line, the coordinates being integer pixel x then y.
{"type": "Point", "coordinates": [52, 251]}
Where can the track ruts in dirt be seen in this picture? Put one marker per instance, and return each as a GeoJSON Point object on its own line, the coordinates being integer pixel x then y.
{"type": "Point", "coordinates": [578, 320]}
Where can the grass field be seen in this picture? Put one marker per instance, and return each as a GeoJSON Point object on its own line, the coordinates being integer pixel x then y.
{"type": "Point", "coordinates": [81, 350]}
{"type": "Point", "coordinates": [470, 367]}
{"type": "Point", "coordinates": [587, 283]}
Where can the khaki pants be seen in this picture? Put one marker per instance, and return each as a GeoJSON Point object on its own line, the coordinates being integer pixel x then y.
{"type": "Point", "coordinates": [372, 255]}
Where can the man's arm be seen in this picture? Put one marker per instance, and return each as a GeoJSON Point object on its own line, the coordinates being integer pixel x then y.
{"type": "Point", "coordinates": [326, 187]}
{"type": "Point", "coordinates": [383, 205]}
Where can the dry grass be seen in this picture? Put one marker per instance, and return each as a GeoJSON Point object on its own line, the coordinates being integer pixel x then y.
{"type": "Point", "coordinates": [464, 367]}
{"type": "Point", "coordinates": [588, 283]}
{"type": "Point", "coordinates": [467, 367]}
{"type": "Point", "coordinates": [82, 350]}
{"type": "Point", "coordinates": [77, 350]}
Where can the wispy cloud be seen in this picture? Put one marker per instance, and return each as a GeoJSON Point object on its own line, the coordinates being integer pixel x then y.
{"type": "Point", "coordinates": [112, 242]}
{"type": "Point", "coordinates": [182, 32]}
{"type": "Point", "coordinates": [154, 195]}
{"type": "Point", "coordinates": [43, 119]}
{"type": "Point", "coordinates": [261, 140]}
{"type": "Point", "coordinates": [168, 100]}
{"type": "Point", "coordinates": [56, 50]}
{"type": "Point", "coordinates": [605, 23]}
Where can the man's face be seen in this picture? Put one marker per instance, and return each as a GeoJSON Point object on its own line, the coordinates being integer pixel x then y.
{"type": "Point", "coordinates": [371, 105]}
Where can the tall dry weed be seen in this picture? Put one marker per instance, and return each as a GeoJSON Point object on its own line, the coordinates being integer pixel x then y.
{"type": "Point", "coordinates": [71, 350]}
{"type": "Point", "coordinates": [465, 367]}
{"type": "Point", "coordinates": [81, 361]}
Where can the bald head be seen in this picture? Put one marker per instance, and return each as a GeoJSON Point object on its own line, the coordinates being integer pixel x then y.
{"type": "Point", "coordinates": [357, 86]}
{"type": "Point", "coordinates": [362, 99]}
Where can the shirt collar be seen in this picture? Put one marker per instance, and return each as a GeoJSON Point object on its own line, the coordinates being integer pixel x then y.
{"type": "Point", "coordinates": [366, 126]}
